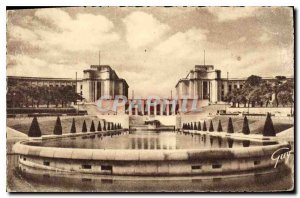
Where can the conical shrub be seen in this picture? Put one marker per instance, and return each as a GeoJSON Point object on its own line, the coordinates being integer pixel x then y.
{"type": "Point", "coordinates": [246, 129]}
{"type": "Point", "coordinates": [211, 126]}
{"type": "Point", "coordinates": [230, 126]}
{"type": "Point", "coordinates": [92, 129]}
{"type": "Point", "coordinates": [84, 129]}
{"type": "Point", "coordinates": [111, 126]}
{"type": "Point", "coordinates": [104, 126]}
{"type": "Point", "coordinates": [188, 126]}
{"type": "Point", "coordinates": [73, 127]}
{"type": "Point", "coordinates": [34, 130]}
{"type": "Point", "coordinates": [120, 126]}
{"type": "Point", "coordinates": [192, 128]}
{"type": "Point", "coordinates": [204, 126]}
{"type": "Point", "coordinates": [183, 126]}
{"type": "Point", "coordinates": [269, 129]}
{"type": "Point", "coordinates": [220, 129]}
{"type": "Point", "coordinates": [99, 128]}
{"type": "Point", "coordinates": [57, 128]}
{"type": "Point", "coordinates": [199, 126]}
{"type": "Point", "coordinates": [108, 126]}
{"type": "Point", "coordinates": [195, 126]}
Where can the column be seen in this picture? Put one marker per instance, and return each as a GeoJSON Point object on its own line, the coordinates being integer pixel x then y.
{"type": "Point", "coordinates": [161, 107]}
{"type": "Point", "coordinates": [143, 107]}
{"type": "Point", "coordinates": [168, 109]}
{"type": "Point", "coordinates": [96, 91]}
{"type": "Point", "coordinates": [129, 108]}
{"type": "Point", "coordinates": [136, 109]}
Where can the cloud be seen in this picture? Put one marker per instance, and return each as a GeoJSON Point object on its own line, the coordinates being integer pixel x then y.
{"type": "Point", "coordinates": [183, 44]}
{"type": "Point", "coordinates": [67, 40]}
{"type": "Point", "coordinates": [84, 32]}
{"type": "Point", "coordinates": [143, 29]}
{"type": "Point", "coordinates": [264, 38]}
{"type": "Point", "coordinates": [232, 13]}
{"type": "Point", "coordinates": [22, 34]}
{"type": "Point", "coordinates": [23, 65]}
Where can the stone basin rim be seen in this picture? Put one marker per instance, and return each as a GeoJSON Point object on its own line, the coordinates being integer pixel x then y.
{"type": "Point", "coordinates": [22, 148]}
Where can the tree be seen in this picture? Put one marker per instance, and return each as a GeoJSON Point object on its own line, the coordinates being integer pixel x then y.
{"type": "Point", "coordinates": [57, 128]}
{"type": "Point", "coordinates": [73, 127]}
{"type": "Point", "coordinates": [192, 128]}
{"type": "Point", "coordinates": [269, 129]}
{"type": "Point", "coordinates": [108, 126]}
{"type": "Point", "coordinates": [34, 130]}
{"type": "Point", "coordinates": [246, 129]}
{"type": "Point", "coordinates": [195, 126]}
{"type": "Point", "coordinates": [278, 87]}
{"type": "Point", "coordinates": [211, 126]}
{"type": "Point", "coordinates": [204, 126]}
{"type": "Point", "coordinates": [285, 98]}
{"type": "Point", "coordinates": [199, 126]}
{"type": "Point", "coordinates": [92, 129]}
{"type": "Point", "coordinates": [112, 126]}
{"type": "Point", "coordinates": [230, 126]}
{"type": "Point", "coordinates": [220, 129]}
{"type": "Point", "coordinates": [254, 80]}
{"type": "Point", "coordinates": [99, 127]}
{"type": "Point", "coordinates": [84, 128]}
{"type": "Point", "coordinates": [250, 89]}
{"type": "Point", "coordinates": [188, 126]}
{"type": "Point", "coordinates": [104, 126]}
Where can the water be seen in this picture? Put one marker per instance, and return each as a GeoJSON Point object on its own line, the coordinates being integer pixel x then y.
{"type": "Point", "coordinates": [149, 140]}
{"type": "Point", "coordinates": [280, 180]}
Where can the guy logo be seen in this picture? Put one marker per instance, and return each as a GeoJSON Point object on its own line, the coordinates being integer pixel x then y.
{"type": "Point", "coordinates": [280, 154]}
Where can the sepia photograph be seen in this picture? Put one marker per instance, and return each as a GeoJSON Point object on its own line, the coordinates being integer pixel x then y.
{"type": "Point", "coordinates": [150, 99]}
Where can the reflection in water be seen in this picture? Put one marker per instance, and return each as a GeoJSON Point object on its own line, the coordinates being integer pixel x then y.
{"type": "Point", "coordinates": [246, 143]}
{"type": "Point", "coordinates": [220, 141]}
{"type": "Point", "coordinates": [149, 140]}
{"type": "Point", "coordinates": [230, 142]}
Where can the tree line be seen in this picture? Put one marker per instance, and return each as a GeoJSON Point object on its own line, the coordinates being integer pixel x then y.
{"type": "Point", "coordinates": [26, 95]}
{"type": "Point", "coordinates": [260, 92]}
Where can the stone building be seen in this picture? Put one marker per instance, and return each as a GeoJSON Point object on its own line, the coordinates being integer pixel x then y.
{"type": "Point", "coordinates": [202, 83]}
{"type": "Point", "coordinates": [205, 84]}
{"type": "Point", "coordinates": [40, 81]}
{"type": "Point", "coordinates": [101, 80]}
{"type": "Point", "coordinates": [97, 81]}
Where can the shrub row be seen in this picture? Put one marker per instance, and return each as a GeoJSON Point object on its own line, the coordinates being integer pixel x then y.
{"type": "Point", "coordinates": [267, 131]}
{"type": "Point", "coordinates": [35, 131]}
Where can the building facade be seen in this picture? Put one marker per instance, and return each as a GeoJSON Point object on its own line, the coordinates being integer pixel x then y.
{"type": "Point", "coordinates": [205, 83]}
{"type": "Point", "coordinates": [40, 81]}
{"type": "Point", "coordinates": [100, 81]}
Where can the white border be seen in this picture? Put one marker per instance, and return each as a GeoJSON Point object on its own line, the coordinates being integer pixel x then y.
{"type": "Point", "coordinates": [111, 3]}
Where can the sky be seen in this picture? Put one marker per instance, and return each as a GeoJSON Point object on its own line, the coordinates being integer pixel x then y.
{"type": "Point", "coordinates": [150, 47]}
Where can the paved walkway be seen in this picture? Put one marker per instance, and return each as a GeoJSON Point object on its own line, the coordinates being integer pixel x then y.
{"type": "Point", "coordinates": [13, 136]}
